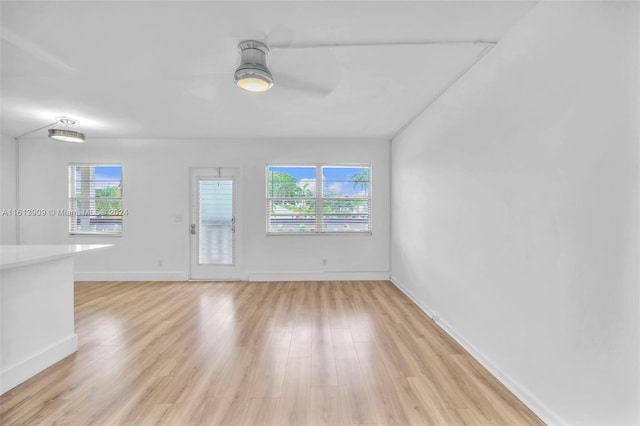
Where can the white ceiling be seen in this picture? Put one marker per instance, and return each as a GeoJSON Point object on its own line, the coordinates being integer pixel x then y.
{"type": "Point", "coordinates": [150, 69]}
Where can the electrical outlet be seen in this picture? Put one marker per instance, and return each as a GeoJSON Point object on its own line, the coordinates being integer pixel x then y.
{"type": "Point", "coordinates": [324, 262]}
{"type": "Point", "coordinates": [160, 263]}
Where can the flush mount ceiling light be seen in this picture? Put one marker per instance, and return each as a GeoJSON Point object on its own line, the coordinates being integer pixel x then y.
{"type": "Point", "coordinates": [55, 133]}
{"type": "Point", "coordinates": [66, 135]}
{"type": "Point", "coordinates": [253, 75]}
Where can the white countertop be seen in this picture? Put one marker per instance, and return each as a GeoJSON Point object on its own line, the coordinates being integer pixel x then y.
{"type": "Point", "coordinates": [12, 256]}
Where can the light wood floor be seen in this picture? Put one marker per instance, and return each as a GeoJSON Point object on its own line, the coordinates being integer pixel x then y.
{"type": "Point", "coordinates": [336, 353]}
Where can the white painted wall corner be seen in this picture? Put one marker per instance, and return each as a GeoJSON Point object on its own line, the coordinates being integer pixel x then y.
{"type": "Point", "coordinates": [542, 411]}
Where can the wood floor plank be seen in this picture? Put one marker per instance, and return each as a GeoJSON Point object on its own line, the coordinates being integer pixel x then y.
{"type": "Point", "coordinates": [259, 353]}
{"type": "Point", "coordinates": [267, 373]}
{"type": "Point", "coordinates": [377, 378]}
{"type": "Point", "coordinates": [323, 365]}
{"type": "Point", "coordinates": [294, 406]}
{"type": "Point", "coordinates": [325, 406]}
{"type": "Point", "coordinates": [260, 412]}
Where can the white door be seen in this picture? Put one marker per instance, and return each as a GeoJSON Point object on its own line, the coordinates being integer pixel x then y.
{"type": "Point", "coordinates": [214, 225]}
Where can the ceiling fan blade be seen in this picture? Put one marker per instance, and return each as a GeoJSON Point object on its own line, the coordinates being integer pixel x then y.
{"type": "Point", "coordinates": [290, 82]}
{"type": "Point", "coordinates": [324, 45]}
{"type": "Point", "coordinates": [316, 72]}
{"type": "Point", "coordinates": [34, 50]}
{"type": "Point", "coordinates": [204, 76]}
{"type": "Point", "coordinates": [281, 36]}
{"type": "Point", "coordinates": [205, 92]}
{"type": "Point", "coordinates": [212, 87]}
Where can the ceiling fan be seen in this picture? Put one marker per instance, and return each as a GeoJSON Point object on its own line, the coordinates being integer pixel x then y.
{"type": "Point", "coordinates": [305, 67]}
{"type": "Point", "coordinates": [316, 74]}
{"type": "Point", "coordinates": [253, 74]}
{"type": "Point", "coordinates": [262, 64]}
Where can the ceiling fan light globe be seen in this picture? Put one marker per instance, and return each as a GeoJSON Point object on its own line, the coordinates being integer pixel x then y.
{"type": "Point", "coordinates": [66, 135]}
{"type": "Point", "coordinates": [254, 84]}
{"type": "Point", "coordinates": [253, 79]}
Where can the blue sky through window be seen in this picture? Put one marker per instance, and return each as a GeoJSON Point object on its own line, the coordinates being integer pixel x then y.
{"type": "Point", "coordinates": [296, 172]}
{"type": "Point", "coordinates": [338, 180]}
{"type": "Point", "coordinates": [104, 176]}
{"type": "Point", "coordinates": [109, 173]}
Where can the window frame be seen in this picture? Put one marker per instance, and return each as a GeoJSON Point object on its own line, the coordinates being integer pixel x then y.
{"type": "Point", "coordinates": [71, 198]}
{"type": "Point", "coordinates": [319, 199]}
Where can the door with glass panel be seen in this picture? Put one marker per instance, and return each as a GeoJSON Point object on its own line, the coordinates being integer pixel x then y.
{"type": "Point", "coordinates": [214, 225]}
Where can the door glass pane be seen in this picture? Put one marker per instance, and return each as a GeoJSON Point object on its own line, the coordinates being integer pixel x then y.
{"type": "Point", "coordinates": [215, 222]}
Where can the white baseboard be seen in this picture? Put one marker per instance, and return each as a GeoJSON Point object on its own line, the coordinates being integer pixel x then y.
{"type": "Point", "coordinates": [14, 375]}
{"type": "Point", "coordinates": [319, 276]}
{"type": "Point", "coordinates": [131, 276]}
{"type": "Point", "coordinates": [534, 404]}
{"type": "Point", "coordinates": [251, 276]}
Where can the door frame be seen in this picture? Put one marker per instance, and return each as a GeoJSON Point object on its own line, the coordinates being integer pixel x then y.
{"type": "Point", "coordinates": [195, 172]}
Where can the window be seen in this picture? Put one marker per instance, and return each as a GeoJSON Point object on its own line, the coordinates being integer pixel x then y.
{"type": "Point", "coordinates": [95, 199]}
{"type": "Point", "coordinates": [318, 199]}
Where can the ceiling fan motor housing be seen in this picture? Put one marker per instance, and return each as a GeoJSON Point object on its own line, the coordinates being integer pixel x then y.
{"type": "Point", "coordinates": [253, 62]}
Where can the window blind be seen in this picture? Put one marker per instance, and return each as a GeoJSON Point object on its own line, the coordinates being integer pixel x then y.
{"type": "Point", "coordinates": [303, 199]}
{"type": "Point", "coordinates": [215, 222]}
{"type": "Point", "coordinates": [95, 199]}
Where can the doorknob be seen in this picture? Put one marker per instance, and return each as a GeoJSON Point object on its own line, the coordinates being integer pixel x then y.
{"type": "Point", "coordinates": [193, 229]}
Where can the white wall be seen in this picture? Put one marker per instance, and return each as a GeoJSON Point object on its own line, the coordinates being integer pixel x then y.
{"type": "Point", "coordinates": [156, 188]}
{"type": "Point", "coordinates": [7, 189]}
{"type": "Point", "coordinates": [515, 211]}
